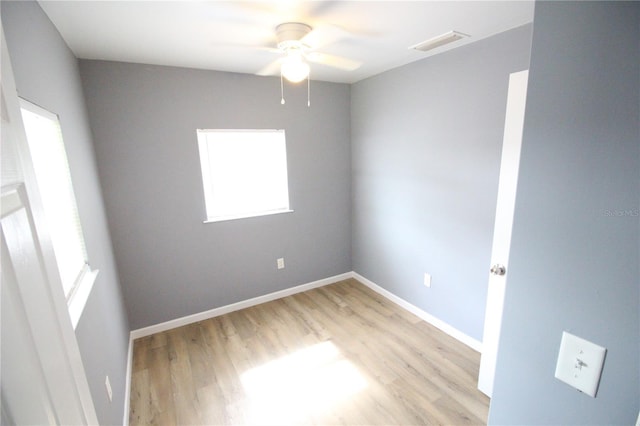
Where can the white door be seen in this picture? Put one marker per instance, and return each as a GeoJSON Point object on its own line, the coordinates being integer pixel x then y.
{"type": "Point", "coordinates": [43, 380]}
{"type": "Point", "coordinates": [509, 165]}
{"type": "Point", "coordinates": [25, 396]}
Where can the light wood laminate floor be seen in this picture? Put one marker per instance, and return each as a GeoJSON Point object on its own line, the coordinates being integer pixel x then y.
{"type": "Point", "coordinates": [339, 354]}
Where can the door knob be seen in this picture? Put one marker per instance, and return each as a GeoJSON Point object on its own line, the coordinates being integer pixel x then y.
{"type": "Point", "coordinates": [498, 269]}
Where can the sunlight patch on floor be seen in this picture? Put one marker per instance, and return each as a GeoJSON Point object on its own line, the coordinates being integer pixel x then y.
{"type": "Point", "coordinates": [306, 383]}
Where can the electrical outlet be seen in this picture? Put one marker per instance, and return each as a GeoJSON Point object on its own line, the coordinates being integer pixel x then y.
{"type": "Point", "coordinates": [108, 386]}
{"type": "Point", "coordinates": [280, 263]}
{"type": "Point", "coordinates": [427, 280]}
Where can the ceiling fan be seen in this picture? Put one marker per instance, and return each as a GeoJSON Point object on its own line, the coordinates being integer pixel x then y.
{"type": "Point", "coordinates": [297, 44]}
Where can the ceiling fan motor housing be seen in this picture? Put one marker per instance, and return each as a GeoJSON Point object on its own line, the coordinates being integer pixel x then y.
{"type": "Point", "coordinates": [290, 35]}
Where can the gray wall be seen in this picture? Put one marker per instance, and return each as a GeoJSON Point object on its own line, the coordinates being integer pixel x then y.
{"type": "Point", "coordinates": [426, 145]}
{"type": "Point", "coordinates": [47, 74]}
{"type": "Point", "coordinates": [171, 264]}
{"type": "Point", "coordinates": [574, 254]}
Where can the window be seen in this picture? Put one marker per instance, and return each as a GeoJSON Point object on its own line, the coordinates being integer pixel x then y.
{"type": "Point", "coordinates": [44, 138]}
{"type": "Point", "coordinates": [244, 173]}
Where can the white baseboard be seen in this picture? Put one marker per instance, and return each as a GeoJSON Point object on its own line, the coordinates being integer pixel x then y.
{"type": "Point", "coordinates": [450, 330]}
{"type": "Point", "coordinates": [127, 390]}
{"type": "Point", "coordinates": [436, 322]}
{"type": "Point", "coordinates": [168, 325]}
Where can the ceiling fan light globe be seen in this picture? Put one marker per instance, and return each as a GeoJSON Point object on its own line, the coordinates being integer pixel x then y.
{"type": "Point", "coordinates": [295, 71]}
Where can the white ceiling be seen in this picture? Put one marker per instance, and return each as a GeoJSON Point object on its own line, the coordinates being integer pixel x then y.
{"type": "Point", "coordinates": [227, 35]}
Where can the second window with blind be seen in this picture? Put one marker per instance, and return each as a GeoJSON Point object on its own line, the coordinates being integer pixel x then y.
{"type": "Point", "coordinates": [53, 177]}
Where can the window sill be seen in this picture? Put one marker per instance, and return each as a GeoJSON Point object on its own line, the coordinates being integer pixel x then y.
{"type": "Point", "coordinates": [227, 218]}
{"type": "Point", "coordinates": [78, 299]}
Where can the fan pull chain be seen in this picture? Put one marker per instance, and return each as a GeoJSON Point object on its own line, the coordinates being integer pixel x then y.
{"type": "Point", "coordinates": [281, 89]}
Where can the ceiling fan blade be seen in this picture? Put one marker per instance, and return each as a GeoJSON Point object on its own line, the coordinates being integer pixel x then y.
{"type": "Point", "coordinates": [269, 49]}
{"type": "Point", "coordinates": [245, 47]}
{"type": "Point", "coordinates": [334, 61]}
{"type": "Point", "coordinates": [323, 35]}
{"type": "Point", "coordinates": [272, 69]}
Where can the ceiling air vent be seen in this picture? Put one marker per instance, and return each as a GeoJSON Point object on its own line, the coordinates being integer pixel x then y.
{"type": "Point", "coordinates": [438, 41]}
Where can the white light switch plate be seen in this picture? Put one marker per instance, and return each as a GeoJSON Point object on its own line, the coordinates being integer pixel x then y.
{"type": "Point", "coordinates": [580, 363]}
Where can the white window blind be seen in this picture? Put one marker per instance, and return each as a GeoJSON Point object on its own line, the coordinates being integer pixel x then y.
{"type": "Point", "coordinates": [49, 158]}
{"type": "Point", "coordinates": [244, 173]}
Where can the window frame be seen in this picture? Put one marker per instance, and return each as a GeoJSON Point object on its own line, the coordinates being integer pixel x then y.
{"type": "Point", "coordinates": [208, 184]}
